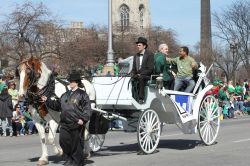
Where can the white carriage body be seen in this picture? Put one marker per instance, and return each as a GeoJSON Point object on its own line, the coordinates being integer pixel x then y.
{"type": "Point", "coordinates": [191, 112]}
{"type": "Point", "coordinates": [115, 93]}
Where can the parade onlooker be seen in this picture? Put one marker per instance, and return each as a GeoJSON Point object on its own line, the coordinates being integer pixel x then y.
{"type": "Point", "coordinates": [247, 95]}
{"type": "Point", "coordinates": [230, 87]}
{"type": "Point", "coordinates": [217, 84]}
{"type": "Point", "coordinates": [18, 121]}
{"type": "Point", "coordinates": [227, 106]}
{"type": "Point", "coordinates": [13, 92]}
{"type": "Point", "coordinates": [6, 111]}
{"type": "Point", "coordinates": [2, 84]}
{"type": "Point", "coordinates": [29, 121]}
{"type": "Point", "coordinates": [247, 105]}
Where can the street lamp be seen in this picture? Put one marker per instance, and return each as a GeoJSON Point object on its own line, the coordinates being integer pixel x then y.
{"type": "Point", "coordinates": [108, 68]}
{"type": "Point", "coordinates": [110, 55]}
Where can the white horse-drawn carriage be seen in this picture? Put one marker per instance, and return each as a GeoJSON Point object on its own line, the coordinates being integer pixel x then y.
{"type": "Point", "coordinates": [115, 99]}
{"type": "Point", "coordinates": [191, 112]}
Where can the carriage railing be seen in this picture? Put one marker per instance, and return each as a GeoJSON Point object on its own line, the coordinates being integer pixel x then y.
{"type": "Point", "coordinates": [202, 76]}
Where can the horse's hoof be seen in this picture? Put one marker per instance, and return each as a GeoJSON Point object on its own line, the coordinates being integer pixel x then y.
{"type": "Point", "coordinates": [42, 162]}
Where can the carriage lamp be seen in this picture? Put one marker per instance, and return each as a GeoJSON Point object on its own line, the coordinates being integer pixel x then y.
{"type": "Point", "coordinates": [159, 81]}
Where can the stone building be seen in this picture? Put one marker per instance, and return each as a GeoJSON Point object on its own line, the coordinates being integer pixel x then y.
{"type": "Point", "coordinates": [131, 16]}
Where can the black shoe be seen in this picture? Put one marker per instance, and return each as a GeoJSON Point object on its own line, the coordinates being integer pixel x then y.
{"type": "Point", "coordinates": [68, 163]}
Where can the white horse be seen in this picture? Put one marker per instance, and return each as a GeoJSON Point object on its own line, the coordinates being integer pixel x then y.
{"type": "Point", "coordinates": [36, 80]}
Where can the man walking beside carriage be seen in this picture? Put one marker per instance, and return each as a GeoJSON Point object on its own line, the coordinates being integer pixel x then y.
{"type": "Point", "coordinates": [75, 113]}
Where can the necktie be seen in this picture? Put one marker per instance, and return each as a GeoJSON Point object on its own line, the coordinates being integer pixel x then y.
{"type": "Point", "coordinates": [68, 95]}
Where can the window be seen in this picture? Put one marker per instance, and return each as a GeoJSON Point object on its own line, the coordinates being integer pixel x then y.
{"type": "Point", "coordinates": [124, 13]}
{"type": "Point", "coordinates": [141, 13]}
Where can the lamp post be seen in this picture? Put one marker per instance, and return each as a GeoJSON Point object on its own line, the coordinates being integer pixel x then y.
{"type": "Point", "coordinates": [109, 67]}
{"type": "Point", "coordinates": [234, 48]}
{"type": "Point", "coordinates": [110, 55]}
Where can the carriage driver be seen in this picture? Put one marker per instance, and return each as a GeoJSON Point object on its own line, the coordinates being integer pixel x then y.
{"type": "Point", "coordinates": [75, 113]}
{"type": "Point", "coordinates": [143, 65]}
{"type": "Point", "coordinates": [185, 65]}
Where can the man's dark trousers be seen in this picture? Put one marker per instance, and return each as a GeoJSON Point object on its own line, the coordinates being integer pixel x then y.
{"type": "Point", "coordinates": [142, 83]}
{"type": "Point", "coordinates": [71, 144]}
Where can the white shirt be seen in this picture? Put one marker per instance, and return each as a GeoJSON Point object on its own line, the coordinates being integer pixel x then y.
{"type": "Point", "coordinates": [141, 57]}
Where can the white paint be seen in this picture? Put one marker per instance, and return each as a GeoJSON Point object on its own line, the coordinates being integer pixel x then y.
{"type": "Point", "coordinates": [241, 140]}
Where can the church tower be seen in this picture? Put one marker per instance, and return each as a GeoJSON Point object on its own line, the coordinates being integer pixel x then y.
{"type": "Point", "coordinates": [130, 16]}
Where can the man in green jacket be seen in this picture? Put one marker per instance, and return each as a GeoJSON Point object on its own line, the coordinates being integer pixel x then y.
{"type": "Point", "coordinates": [164, 67]}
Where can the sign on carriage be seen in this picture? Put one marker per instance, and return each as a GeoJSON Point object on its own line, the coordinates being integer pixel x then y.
{"type": "Point", "coordinates": [183, 101]}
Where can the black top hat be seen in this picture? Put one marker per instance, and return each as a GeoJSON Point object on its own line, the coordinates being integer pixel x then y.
{"type": "Point", "coordinates": [143, 41]}
{"type": "Point", "coordinates": [74, 76]}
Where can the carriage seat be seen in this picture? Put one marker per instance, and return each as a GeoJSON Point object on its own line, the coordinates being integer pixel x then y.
{"type": "Point", "coordinates": [135, 86]}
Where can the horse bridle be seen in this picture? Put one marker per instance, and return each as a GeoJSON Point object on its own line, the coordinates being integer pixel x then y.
{"type": "Point", "coordinates": [33, 93]}
{"type": "Point", "coordinates": [33, 76]}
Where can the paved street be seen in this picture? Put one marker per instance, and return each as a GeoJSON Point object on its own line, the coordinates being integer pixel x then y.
{"type": "Point", "coordinates": [120, 149]}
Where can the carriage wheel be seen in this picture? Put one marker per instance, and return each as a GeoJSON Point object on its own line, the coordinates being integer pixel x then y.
{"type": "Point", "coordinates": [96, 141]}
{"type": "Point", "coordinates": [148, 131]}
{"type": "Point", "coordinates": [209, 120]}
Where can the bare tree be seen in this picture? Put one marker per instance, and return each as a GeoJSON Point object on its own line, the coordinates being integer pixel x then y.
{"type": "Point", "coordinates": [86, 47]}
{"type": "Point", "coordinates": [159, 35]}
{"type": "Point", "coordinates": [29, 31]}
{"type": "Point", "coordinates": [233, 25]}
{"type": "Point", "coordinates": [124, 42]}
{"type": "Point", "coordinates": [226, 61]}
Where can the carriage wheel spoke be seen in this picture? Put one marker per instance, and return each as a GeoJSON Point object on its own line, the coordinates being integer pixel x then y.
{"type": "Point", "coordinates": [215, 117]}
{"type": "Point", "coordinates": [214, 123]}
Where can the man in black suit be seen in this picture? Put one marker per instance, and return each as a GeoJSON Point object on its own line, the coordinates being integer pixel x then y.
{"type": "Point", "coordinates": [143, 65]}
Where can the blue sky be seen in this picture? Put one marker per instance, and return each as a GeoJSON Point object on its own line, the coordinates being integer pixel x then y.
{"type": "Point", "coordinates": [183, 16]}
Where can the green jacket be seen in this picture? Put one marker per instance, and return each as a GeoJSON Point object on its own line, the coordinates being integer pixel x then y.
{"type": "Point", "coordinates": [27, 116]}
{"type": "Point", "coordinates": [238, 90]}
{"type": "Point", "coordinates": [162, 66]}
{"type": "Point", "coordinates": [2, 86]}
{"type": "Point", "coordinates": [222, 95]}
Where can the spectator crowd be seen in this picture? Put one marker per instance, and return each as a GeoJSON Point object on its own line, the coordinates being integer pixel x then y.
{"type": "Point", "coordinates": [15, 117]}
{"type": "Point", "coordinates": [234, 100]}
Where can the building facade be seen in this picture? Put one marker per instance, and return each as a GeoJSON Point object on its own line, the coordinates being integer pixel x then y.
{"type": "Point", "coordinates": [131, 16]}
